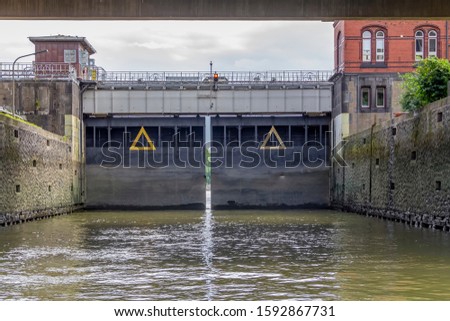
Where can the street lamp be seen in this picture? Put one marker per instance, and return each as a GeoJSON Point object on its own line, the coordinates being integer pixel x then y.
{"type": "Point", "coordinates": [14, 80]}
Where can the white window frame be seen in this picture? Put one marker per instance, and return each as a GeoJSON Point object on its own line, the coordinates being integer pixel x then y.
{"type": "Point", "coordinates": [365, 90]}
{"type": "Point", "coordinates": [367, 46]}
{"type": "Point", "coordinates": [432, 37]}
{"type": "Point", "coordinates": [419, 38]}
{"type": "Point", "coordinates": [380, 45]}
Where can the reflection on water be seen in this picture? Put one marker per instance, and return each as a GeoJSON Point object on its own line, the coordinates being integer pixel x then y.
{"type": "Point", "coordinates": [208, 250]}
{"type": "Point", "coordinates": [221, 255]}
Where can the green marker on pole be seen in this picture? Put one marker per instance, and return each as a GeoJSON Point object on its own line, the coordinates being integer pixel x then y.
{"type": "Point", "coordinates": [208, 160]}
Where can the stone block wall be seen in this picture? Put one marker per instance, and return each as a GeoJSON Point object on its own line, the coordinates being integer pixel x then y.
{"type": "Point", "coordinates": [44, 102]}
{"type": "Point", "coordinates": [399, 169]}
{"type": "Point", "coordinates": [38, 176]}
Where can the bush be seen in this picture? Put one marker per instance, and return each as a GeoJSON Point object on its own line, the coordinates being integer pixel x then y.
{"type": "Point", "coordinates": [427, 84]}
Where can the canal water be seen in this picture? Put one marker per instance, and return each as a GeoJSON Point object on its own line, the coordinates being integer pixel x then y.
{"type": "Point", "coordinates": [222, 255]}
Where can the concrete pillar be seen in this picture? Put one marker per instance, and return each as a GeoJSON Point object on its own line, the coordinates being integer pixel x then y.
{"type": "Point", "coordinates": [125, 138]}
{"type": "Point", "coordinates": [176, 137]}
{"type": "Point", "coordinates": [290, 135]}
{"type": "Point", "coordinates": [320, 134]}
{"type": "Point", "coordinates": [239, 136]}
{"type": "Point", "coordinates": [224, 136]}
{"type": "Point", "coordinates": [159, 136]}
{"type": "Point", "coordinates": [306, 133]}
{"type": "Point", "coordinates": [94, 136]}
{"type": "Point", "coordinates": [109, 135]}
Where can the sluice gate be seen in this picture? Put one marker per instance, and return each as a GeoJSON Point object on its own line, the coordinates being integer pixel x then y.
{"type": "Point", "coordinates": [158, 162]}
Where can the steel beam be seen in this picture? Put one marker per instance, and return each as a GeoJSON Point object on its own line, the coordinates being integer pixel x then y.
{"type": "Point", "coordinates": [222, 10]}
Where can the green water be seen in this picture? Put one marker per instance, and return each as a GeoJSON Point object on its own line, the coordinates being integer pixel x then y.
{"type": "Point", "coordinates": [226, 255]}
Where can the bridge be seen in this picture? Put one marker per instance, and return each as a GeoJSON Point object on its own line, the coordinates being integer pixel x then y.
{"type": "Point", "coordinates": [222, 10]}
{"type": "Point", "coordinates": [183, 93]}
{"type": "Point", "coordinates": [294, 92]}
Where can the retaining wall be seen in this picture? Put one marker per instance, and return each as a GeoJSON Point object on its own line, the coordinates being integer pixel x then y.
{"type": "Point", "coordinates": [399, 169]}
{"type": "Point", "coordinates": [39, 173]}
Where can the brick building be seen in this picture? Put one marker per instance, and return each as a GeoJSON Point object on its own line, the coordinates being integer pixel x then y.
{"type": "Point", "coordinates": [62, 52]}
{"type": "Point", "coordinates": [369, 57]}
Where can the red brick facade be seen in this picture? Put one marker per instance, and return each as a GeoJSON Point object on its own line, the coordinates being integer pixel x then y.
{"type": "Point", "coordinates": [369, 57]}
{"type": "Point", "coordinates": [64, 50]}
{"type": "Point", "coordinates": [396, 52]}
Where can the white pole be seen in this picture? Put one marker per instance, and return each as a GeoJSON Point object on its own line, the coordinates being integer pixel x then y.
{"type": "Point", "coordinates": [208, 143]}
{"type": "Point", "coordinates": [208, 160]}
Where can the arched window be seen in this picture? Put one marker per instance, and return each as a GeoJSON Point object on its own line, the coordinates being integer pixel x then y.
{"type": "Point", "coordinates": [432, 43]}
{"type": "Point", "coordinates": [419, 45]}
{"type": "Point", "coordinates": [380, 45]}
{"type": "Point", "coordinates": [366, 46]}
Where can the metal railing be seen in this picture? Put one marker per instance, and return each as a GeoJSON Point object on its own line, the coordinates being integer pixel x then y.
{"type": "Point", "coordinates": [67, 71]}
{"type": "Point", "coordinates": [225, 77]}
{"type": "Point", "coordinates": [36, 70]}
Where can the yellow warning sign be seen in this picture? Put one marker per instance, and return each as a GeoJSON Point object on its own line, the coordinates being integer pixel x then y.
{"type": "Point", "coordinates": [271, 132]}
{"type": "Point", "coordinates": [150, 146]}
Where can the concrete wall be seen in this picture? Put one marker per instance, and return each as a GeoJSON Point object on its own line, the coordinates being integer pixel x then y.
{"type": "Point", "coordinates": [53, 105]}
{"type": "Point", "coordinates": [128, 182]}
{"type": "Point", "coordinates": [247, 179]}
{"type": "Point", "coordinates": [273, 179]}
{"type": "Point", "coordinates": [38, 177]}
{"type": "Point", "coordinates": [347, 101]}
{"type": "Point", "coordinates": [230, 9]}
{"type": "Point", "coordinates": [399, 171]}
{"type": "Point", "coordinates": [45, 103]}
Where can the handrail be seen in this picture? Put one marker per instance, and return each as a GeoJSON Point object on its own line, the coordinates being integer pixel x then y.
{"type": "Point", "coordinates": [36, 70]}
{"type": "Point", "coordinates": [64, 71]}
{"type": "Point", "coordinates": [199, 78]}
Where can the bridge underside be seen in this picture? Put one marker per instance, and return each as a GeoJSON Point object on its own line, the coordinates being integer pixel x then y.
{"type": "Point", "coordinates": [246, 172]}
{"type": "Point", "coordinates": [221, 10]}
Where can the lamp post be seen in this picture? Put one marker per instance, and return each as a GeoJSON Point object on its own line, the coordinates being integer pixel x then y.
{"type": "Point", "coordinates": [14, 79]}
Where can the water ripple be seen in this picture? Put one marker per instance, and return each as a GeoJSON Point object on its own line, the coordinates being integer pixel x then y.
{"type": "Point", "coordinates": [250, 255]}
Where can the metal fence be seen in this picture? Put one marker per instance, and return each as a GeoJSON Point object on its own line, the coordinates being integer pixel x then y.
{"type": "Point", "coordinates": [228, 77]}
{"type": "Point", "coordinates": [36, 70]}
{"type": "Point", "coordinates": [66, 71]}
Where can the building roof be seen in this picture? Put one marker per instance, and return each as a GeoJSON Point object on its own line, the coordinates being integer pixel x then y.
{"type": "Point", "coordinates": [63, 38]}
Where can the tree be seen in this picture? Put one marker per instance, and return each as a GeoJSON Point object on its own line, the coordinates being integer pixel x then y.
{"type": "Point", "coordinates": [425, 85]}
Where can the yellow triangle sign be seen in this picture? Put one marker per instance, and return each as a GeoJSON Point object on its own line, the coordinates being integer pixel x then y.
{"type": "Point", "coordinates": [150, 146]}
{"type": "Point", "coordinates": [271, 132]}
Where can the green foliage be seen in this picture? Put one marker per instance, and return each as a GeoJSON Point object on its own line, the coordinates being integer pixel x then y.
{"type": "Point", "coordinates": [427, 84]}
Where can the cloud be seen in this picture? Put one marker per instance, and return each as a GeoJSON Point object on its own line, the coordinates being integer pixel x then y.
{"type": "Point", "coordinates": [292, 46]}
{"type": "Point", "coordinates": [187, 45]}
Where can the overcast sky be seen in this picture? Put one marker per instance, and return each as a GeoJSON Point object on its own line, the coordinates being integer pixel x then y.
{"type": "Point", "coordinates": [186, 45]}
